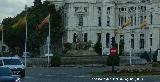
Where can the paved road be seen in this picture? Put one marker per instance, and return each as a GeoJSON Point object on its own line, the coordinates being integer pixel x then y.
{"type": "Point", "coordinates": [77, 74]}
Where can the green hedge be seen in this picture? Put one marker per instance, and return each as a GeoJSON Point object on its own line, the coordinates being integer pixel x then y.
{"type": "Point", "coordinates": [67, 47]}
{"type": "Point", "coordinates": [155, 64]}
{"type": "Point", "coordinates": [55, 60]}
{"type": "Point", "coordinates": [155, 56]}
{"type": "Point", "coordinates": [98, 48]}
{"type": "Point", "coordinates": [116, 61]}
{"type": "Point", "coordinates": [144, 55]}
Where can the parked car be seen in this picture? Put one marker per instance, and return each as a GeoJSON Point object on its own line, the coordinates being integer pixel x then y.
{"type": "Point", "coordinates": [6, 75]}
{"type": "Point", "coordinates": [28, 55]}
{"type": "Point", "coordinates": [15, 65]}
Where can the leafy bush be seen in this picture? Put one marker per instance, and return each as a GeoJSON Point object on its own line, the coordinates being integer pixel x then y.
{"type": "Point", "coordinates": [67, 46]}
{"type": "Point", "coordinates": [116, 60]}
{"type": "Point", "coordinates": [56, 60]}
{"type": "Point", "coordinates": [155, 56]}
{"type": "Point", "coordinates": [155, 64]}
{"type": "Point", "coordinates": [144, 55]}
{"type": "Point", "coordinates": [88, 44]}
{"type": "Point", "coordinates": [121, 48]}
{"type": "Point", "coordinates": [98, 48]}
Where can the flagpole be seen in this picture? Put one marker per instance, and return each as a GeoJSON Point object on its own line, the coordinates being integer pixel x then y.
{"type": "Point", "coordinates": [26, 38]}
{"type": "Point", "coordinates": [49, 43]}
{"type": "Point", "coordinates": [2, 41]}
{"type": "Point", "coordinates": [130, 52]}
{"type": "Point", "coordinates": [118, 45]}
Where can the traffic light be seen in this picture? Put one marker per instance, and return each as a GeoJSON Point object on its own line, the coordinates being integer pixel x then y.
{"type": "Point", "coordinates": [113, 42]}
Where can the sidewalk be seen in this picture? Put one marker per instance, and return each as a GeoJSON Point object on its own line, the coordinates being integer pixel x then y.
{"type": "Point", "coordinates": [119, 68]}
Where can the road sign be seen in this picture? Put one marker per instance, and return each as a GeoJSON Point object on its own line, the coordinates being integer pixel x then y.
{"type": "Point", "coordinates": [113, 51]}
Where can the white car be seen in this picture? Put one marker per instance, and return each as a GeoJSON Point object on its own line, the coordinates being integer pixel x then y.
{"type": "Point", "coordinates": [28, 55]}
{"type": "Point", "coordinates": [14, 63]}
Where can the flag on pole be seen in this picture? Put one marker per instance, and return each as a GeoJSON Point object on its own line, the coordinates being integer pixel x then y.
{"type": "Point", "coordinates": [21, 22]}
{"type": "Point", "coordinates": [24, 21]}
{"type": "Point", "coordinates": [127, 23]}
{"type": "Point", "coordinates": [1, 28]}
{"type": "Point", "coordinates": [119, 31]}
{"type": "Point", "coordinates": [143, 24]}
{"type": "Point", "coordinates": [45, 21]}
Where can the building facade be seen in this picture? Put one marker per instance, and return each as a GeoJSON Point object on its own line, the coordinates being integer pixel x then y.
{"type": "Point", "coordinates": [100, 20]}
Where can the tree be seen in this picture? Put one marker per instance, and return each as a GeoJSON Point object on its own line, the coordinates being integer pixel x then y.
{"type": "Point", "coordinates": [15, 38]}
{"type": "Point", "coordinates": [98, 48]}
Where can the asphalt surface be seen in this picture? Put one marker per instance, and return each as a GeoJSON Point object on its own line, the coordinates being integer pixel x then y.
{"type": "Point", "coordinates": [78, 74]}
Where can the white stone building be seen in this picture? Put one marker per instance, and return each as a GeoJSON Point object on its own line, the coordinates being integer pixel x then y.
{"type": "Point", "coordinates": [98, 20]}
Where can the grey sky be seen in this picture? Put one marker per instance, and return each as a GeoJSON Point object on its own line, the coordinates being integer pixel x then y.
{"type": "Point", "coordinates": [10, 8]}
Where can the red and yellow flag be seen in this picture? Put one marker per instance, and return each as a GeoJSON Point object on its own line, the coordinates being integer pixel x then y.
{"type": "Point", "coordinates": [45, 21]}
{"type": "Point", "coordinates": [21, 22]}
{"type": "Point", "coordinates": [127, 23]}
{"type": "Point", "coordinates": [1, 27]}
{"type": "Point", "coordinates": [143, 24]}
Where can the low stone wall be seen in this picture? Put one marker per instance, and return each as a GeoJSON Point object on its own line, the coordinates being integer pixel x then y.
{"type": "Point", "coordinates": [83, 60]}
{"type": "Point", "coordinates": [36, 62]}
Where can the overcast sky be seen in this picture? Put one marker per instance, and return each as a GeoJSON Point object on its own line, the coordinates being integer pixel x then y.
{"type": "Point", "coordinates": [10, 8]}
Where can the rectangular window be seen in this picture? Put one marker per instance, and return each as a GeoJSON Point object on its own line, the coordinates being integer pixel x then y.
{"type": "Point", "coordinates": [122, 21]}
{"type": "Point", "coordinates": [119, 23]}
{"type": "Point", "coordinates": [141, 19]}
{"type": "Point", "coordinates": [76, 8]}
{"type": "Point", "coordinates": [85, 37]}
{"type": "Point", "coordinates": [151, 18]}
{"type": "Point", "coordinates": [99, 10]}
{"type": "Point", "coordinates": [85, 9]}
{"type": "Point", "coordinates": [74, 37]}
{"type": "Point", "coordinates": [150, 39]}
{"type": "Point", "coordinates": [132, 41]}
{"type": "Point", "coordinates": [145, 8]}
{"type": "Point", "coordinates": [107, 40]}
{"type": "Point", "coordinates": [121, 41]}
{"type": "Point", "coordinates": [145, 17]}
{"type": "Point", "coordinates": [125, 19]}
{"type": "Point", "coordinates": [141, 41]}
{"type": "Point", "coordinates": [122, 38]}
{"type": "Point", "coordinates": [131, 20]}
{"type": "Point", "coordinates": [99, 21]}
{"type": "Point", "coordinates": [108, 10]}
{"type": "Point", "coordinates": [99, 16]}
{"type": "Point", "coordinates": [80, 20]}
{"type": "Point", "coordinates": [98, 37]}
{"type": "Point", "coordinates": [135, 20]}
{"type": "Point", "coordinates": [108, 21]}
